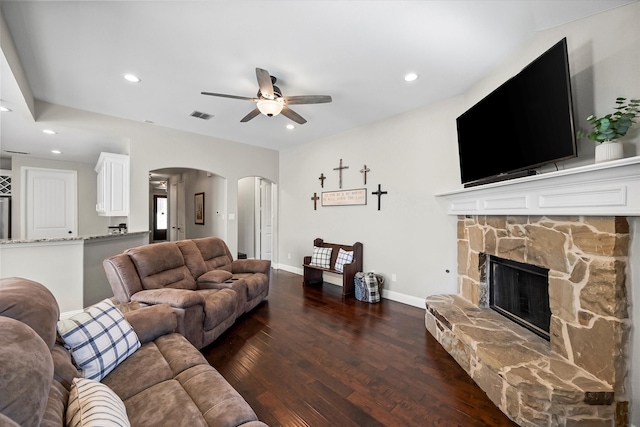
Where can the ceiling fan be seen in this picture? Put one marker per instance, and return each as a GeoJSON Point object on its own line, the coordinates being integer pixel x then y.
{"type": "Point", "coordinates": [270, 101]}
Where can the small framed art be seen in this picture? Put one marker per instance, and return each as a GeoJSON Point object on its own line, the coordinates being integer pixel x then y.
{"type": "Point", "coordinates": [199, 208]}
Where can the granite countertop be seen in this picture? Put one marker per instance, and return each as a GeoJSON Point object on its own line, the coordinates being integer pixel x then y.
{"type": "Point", "coordinates": [65, 239]}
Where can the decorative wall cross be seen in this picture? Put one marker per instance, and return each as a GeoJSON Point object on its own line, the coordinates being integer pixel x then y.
{"type": "Point", "coordinates": [339, 169]}
{"type": "Point", "coordinates": [379, 193]}
{"type": "Point", "coordinates": [315, 199]}
{"type": "Point", "coordinates": [364, 170]}
{"type": "Point", "coordinates": [322, 178]}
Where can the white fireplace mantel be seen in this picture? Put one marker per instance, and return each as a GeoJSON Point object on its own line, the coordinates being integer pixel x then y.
{"type": "Point", "coordinates": [603, 189]}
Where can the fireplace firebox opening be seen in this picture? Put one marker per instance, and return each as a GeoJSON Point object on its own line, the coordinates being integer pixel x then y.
{"type": "Point", "coordinates": [520, 292]}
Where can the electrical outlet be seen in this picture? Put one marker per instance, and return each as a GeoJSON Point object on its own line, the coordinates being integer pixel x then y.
{"type": "Point", "coordinates": [288, 256]}
{"type": "Point", "coordinates": [394, 278]}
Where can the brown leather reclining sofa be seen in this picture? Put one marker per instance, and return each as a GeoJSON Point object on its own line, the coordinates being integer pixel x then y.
{"type": "Point", "coordinates": [207, 289]}
{"type": "Point", "coordinates": [165, 382]}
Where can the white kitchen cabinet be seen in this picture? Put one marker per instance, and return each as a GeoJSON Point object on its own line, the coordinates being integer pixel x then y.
{"type": "Point", "coordinates": [113, 185]}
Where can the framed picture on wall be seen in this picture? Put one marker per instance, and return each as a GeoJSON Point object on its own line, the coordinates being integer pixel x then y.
{"type": "Point", "coordinates": [199, 208]}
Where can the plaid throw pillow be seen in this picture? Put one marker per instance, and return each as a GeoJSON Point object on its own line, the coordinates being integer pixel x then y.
{"type": "Point", "coordinates": [93, 404]}
{"type": "Point", "coordinates": [99, 339]}
{"type": "Point", "coordinates": [344, 257]}
{"type": "Point", "coordinates": [321, 257]}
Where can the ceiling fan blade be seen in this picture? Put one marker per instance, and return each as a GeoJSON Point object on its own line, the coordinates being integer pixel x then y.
{"type": "Point", "coordinates": [288, 112]}
{"type": "Point", "coordinates": [265, 83]}
{"type": "Point", "coordinates": [307, 99]}
{"type": "Point", "coordinates": [228, 96]}
{"type": "Point", "coordinates": [250, 116]}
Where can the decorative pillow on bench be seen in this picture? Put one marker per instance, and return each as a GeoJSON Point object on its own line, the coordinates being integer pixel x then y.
{"type": "Point", "coordinates": [99, 338]}
{"type": "Point", "coordinates": [344, 257]}
{"type": "Point", "coordinates": [321, 257]}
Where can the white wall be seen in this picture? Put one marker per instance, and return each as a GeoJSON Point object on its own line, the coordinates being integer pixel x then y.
{"type": "Point", "coordinates": [214, 189]}
{"type": "Point", "coordinates": [413, 157]}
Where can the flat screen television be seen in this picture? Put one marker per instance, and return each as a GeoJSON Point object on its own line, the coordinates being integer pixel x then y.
{"type": "Point", "coordinates": [525, 123]}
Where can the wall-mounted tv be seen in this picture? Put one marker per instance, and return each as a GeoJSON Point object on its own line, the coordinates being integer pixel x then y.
{"type": "Point", "coordinates": [523, 124]}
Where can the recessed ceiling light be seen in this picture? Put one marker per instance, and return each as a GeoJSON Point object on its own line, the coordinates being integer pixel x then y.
{"type": "Point", "coordinates": [131, 78]}
{"type": "Point", "coordinates": [290, 126]}
{"type": "Point", "coordinates": [410, 77]}
{"type": "Point", "coordinates": [5, 109]}
{"type": "Point", "coordinates": [49, 132]}
{"type": "Point", "coordinates": [56, 151]}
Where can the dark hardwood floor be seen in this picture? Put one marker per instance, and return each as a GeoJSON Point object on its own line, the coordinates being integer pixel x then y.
{"type": "Point", "coordinates": [308, 357]}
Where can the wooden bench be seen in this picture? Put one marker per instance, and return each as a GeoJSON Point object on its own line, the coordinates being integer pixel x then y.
{"type": "Point", "coordinates": [313, 275]}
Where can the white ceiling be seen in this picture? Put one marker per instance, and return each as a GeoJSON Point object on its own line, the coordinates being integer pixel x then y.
{"type": "Point", "coordinates": [75, 52]}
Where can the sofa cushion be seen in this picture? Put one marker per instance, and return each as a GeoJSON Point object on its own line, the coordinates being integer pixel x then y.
{"type": "Point", "coordinates": [26, 374]}
{"type": "Point", "coordinates": [321, 257]}
{"type": "Point", "coordinates": [214, 277]}
{"type": "Point", "coordinates": [222, 405]}
{"type": "Point", "coordinates": [220, 305]}
{"type": "Point", "coordinates": [255, 283]}
{"type": "Point", "coordinates": [161, 265]}
{"type": "Point", "coordinates": [93, 404]}
{"type": "Point", "coordinates": [215, 253]}
{"type": "Point", "coordinates": [64, 371]}
{"type": "Point", "coordinates": [153, 363]}
{"type": "Point", "coordinates": [192, 257]}
{"type": "Point", "coordinates": [147, 366]}
{"type": "Point", "coordinates": [165, 404]}
{"type": "Point", "coordinates": [54, 413]}
{"type": "Point", "coordinates": [99, 339]}
{"type": "Point", "coordinates": [32, 304]}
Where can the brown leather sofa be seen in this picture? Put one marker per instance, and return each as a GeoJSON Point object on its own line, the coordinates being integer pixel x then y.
{"type": "Point", "coordinates": [207, 289]}
{"type": "Point", "coordinates": [166, 382]}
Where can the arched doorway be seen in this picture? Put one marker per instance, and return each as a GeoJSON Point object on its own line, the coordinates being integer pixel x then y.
{"type": "Point", "coordinates": [186, 191]}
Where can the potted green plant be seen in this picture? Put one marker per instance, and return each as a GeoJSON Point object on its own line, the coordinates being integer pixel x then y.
{"type": "Point", "coordinates": [607, 129]}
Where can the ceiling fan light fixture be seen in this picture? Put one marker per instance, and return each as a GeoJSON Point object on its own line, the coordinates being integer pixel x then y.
{"type": "Point", "coordinates": [270, 107]}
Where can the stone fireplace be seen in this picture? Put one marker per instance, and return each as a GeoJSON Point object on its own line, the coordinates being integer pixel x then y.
{"type": "Point", "coordinates": [579, 377]}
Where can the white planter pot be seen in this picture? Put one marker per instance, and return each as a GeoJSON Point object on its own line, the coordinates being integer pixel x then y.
{"type": "Point", "coordinates": [609, 150]}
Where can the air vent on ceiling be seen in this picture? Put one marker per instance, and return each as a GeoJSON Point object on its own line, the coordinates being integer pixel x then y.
{"type": "Point", "coordinates": [201, 115]}
{"type": "Point", "coordinates": [15, 152]}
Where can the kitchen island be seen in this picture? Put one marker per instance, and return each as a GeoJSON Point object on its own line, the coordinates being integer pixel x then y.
{"type": "Point", "coordinates": [70, 267]}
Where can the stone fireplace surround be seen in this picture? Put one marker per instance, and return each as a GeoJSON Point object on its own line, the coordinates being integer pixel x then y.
{"type": "Point", "coordinates": [574, 223]}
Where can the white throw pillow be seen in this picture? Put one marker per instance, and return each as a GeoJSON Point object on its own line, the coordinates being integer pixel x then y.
{"type": "Point", "coordinates": [344, 257]}
{"type": "Point", "coordinates": [321, 257]}
{"type": "Point", "coordinates": [93, 404]}
{"type": "Point", "coordinates": [99, 338]}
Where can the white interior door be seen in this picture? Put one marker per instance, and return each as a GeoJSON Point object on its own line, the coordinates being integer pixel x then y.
{"type": "Point", "coordinates": [266, 219]}
{"type": "Point", "coordinates": [173, 211]}
{"type": "Point", "coordinates": [180, 206]}
{"type": "Point", "coordinates": [50, 203]}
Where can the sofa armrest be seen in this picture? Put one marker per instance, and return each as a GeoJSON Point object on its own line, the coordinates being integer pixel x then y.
{"type": "Point", "coordinates": [152, 322]}
{"type": "Point", "coordinates": [177, 298]}
{"type": "Point", "coordinates": [251, 266]}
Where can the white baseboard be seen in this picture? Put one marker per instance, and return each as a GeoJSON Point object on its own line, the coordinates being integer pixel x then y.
{"type": "Point", "coordinates": [336, 279]}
